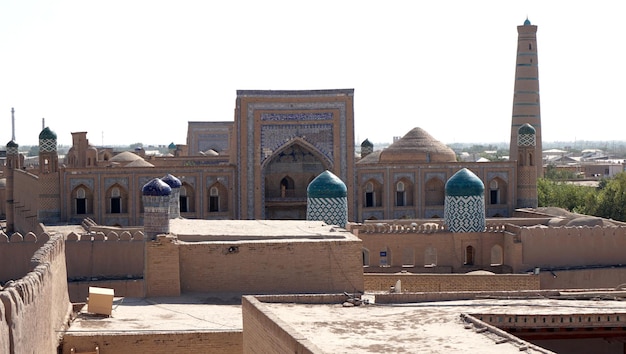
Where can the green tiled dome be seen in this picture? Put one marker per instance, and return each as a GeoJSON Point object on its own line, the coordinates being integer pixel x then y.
{"type": "Point", "coordinates": [171, 146]}
{"type": "Point", "coordinates": [527, 129]}
{"type": "Point", "coordinates": [327, 185]}
{"type": "Point", "coordinates": [46, 133]}
{"type": "Point", "coordinates": [367, 143]}
{"type": "Point", "coordinates": [464, 183]}
{"type": "Point", "coordinates": [12, 144]}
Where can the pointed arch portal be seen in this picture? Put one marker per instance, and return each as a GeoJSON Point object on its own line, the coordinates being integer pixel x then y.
{"type": "Point", "coordinates": [286, 176]}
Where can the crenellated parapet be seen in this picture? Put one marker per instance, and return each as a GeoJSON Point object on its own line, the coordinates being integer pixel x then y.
{"type": "Point", "coordinates": [426, 227]}
{"type": "Point", "coordinates": [110, 236]}
{"type": "Point", "coordinates": [38, 302]}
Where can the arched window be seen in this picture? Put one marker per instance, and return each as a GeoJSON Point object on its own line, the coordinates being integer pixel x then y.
{"type": "Point", "coordinates": [370, 195]}
{"type": "Point", "coordinates": [400, 194]}
{"type": "Point", "coordinates": [81, 201]}
{"type": "Point", "coordinates": [366, 257]}
{"type": "Point", "coordinates": [116, 201]}
{"type": "Point", "coordinates": [214, 199]}
{"type": "Point", "coordinates": [497, 191]}
{"type": "Point", "coordinates": [469, 255]}
{"type": "Point", "coordinates": [286, 187]}
{"type": "Point", "coordinates": [531, 161]}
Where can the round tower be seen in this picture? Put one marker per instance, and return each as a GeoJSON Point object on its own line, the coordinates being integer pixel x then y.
{"type": "Point", "coordinates": [464, 209]}
{"type": "Point", "coordinates": [175, 185]}
{"type": "Point", "coordinates": [527, 161]}
{"type": "Point", "coordinates": [156, 206]}
{"type": "Point", "coordinates": [48, 157]}
{"type": "Point", "coordinates": [327, 200]}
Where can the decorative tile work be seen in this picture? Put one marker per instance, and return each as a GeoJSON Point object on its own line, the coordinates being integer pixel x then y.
{"type": "Point", "coordinates": [502, 175]}
{"type": "Point", "coordinates": [332, 211]}
{"type": "Point", "coordinates": [378, 177]}
{"type": "Point", "coordinates": [282, 117]}
{"type": "Point", "coordinates": [218, 142]}
{"type": "Point", "coordinates": [109, 181]}
{"type": "Point", "coordinates": [87, 182]}
{"type": "Point", "coordinates": [318, 135]}
{"type": "Point", "coordinates": [465, 213]}
{"type": "Point", "coordinates": [526, 140]}
{"type": "Point", "coordinates": [408, 176]}
{"type": "Point", "coordinates": [47, 145]}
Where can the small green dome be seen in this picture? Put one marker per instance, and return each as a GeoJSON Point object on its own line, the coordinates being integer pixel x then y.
{"type": "Point", "coordinates": [526, 129]}
{"type": "Point", "coordinates": [464, 183]}
{"type": "Point", "coordinates": [46, 133]}
{"type": "Point", "coordinates": [171, 146]}
{"type": "Point", "coordinates": [367, 143]}
{"type": "Point", "coordinates": [12, 144]}
{"type": "Point", "coordinates": [527, 22]}
{"type": "Point", "coordinates": [327, 185]}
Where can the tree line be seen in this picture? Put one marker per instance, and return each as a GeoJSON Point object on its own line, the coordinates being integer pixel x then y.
{"type": "Point", "coordinates": [608, 200]}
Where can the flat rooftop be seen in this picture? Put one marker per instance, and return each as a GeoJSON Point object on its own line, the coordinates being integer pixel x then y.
{"type": "Point", "coordinates": [432, 327]}
{"type": "Point", "coordinates": [187, 313]}
{"type": "Point", "coordinates": [242, 230]}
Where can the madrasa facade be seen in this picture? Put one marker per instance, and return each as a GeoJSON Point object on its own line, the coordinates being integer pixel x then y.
{"type": "Point", "coordinates": [259, 165]}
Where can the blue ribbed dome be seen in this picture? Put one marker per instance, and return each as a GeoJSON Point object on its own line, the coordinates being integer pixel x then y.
{"type": "Point", "coordinates": [156, 188]}
{"type": "Point", "coordinates": [464, 183]}
{"type": "Point", "coordinates": [327, 185]}
{"type": "Point", "coordinates": [527, 129]}
{"type": "Point", "coordinates": [171, 181]}
{"type": "Point", "coordinates": [46, 133]}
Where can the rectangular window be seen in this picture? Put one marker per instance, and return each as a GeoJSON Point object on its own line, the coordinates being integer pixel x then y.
{"type": "Point", "coordinates": [493, 197]}
{"type": "Point", "coordinates": [116, 205]}
{"type": "Point", "coordinates": [81, 206]}
{"type": "Point", "coordinates": [214, 204]}
{"type": "Point", "coordinates": [369, 199]}
{"type": "Point", "coordinates": [183, 204]}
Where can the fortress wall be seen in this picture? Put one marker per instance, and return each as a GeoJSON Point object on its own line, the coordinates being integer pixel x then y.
{"type": "Point", "coordinates": [315, 266]}
{"type": "Point", "coordinates": [451, 282]}
{"type": "Point", "coordinates": [19, 249]}
{"type": "Point", "coordinates": [36, 307]}
{"type": "Point", "coordinates": [594, 278]}
{"type": "Point", "coordinates": [106, 257]}
{"type": "Point", "coordinates": [573, 246]}
{"type": "Point", "coordinates": [404, 249]}
{"type": "Point", "coordinates": [25, 201]}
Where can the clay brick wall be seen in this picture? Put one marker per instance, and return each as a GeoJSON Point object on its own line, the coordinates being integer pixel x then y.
{"type": "Point", "coordinates": [452, 282]}
{"type": "Point", "coordinates": [280, 266]}
{"type": "Point", "coordinates": [19, 249]}
{"type": "Point", "coordinates": [26, 201]}
{"type": "Point", "coordinates": [265, 333]}
{"type": "Point", "coordinates": [162, 267]}
{"type": "Point", "coordinates": [36, 307]}
{"type": "Point", "coordinates": [157, 343]}
{"type": "Point", "coordinates": [595, 278]}
{"type": "Point", "coordinates": [79, 290]}
{"type": "Point", "coordinates": [409, 249]}
{"type": "Point", "coordinates": [573, 246]}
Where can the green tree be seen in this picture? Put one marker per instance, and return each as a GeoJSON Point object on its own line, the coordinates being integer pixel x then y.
{"type": "Point", "coordinates": [565, 195]}
{"type": "Point", "coordinates": [611, 200]}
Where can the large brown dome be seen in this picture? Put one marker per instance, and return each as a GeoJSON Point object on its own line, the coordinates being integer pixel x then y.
{"type": "Point", "coordinates": [417, 146]}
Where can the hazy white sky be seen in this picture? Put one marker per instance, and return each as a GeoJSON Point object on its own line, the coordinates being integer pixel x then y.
{"type": "Point", "coordinates": [138, 71]}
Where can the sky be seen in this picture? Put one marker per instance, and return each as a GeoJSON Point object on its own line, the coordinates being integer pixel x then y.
{"type": "Point", "coordinates": [138, 71]}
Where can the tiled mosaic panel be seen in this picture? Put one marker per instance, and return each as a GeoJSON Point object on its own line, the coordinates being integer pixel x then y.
{"type": "Point", "coordinates": [284, 117]}
{"type": "Point", "coordinates": [465, 213]}
{"type": "Point", "coordinates": [526, 140]}
{"type": "Point", "coordinates": [318, 135]}
{"type": "Point", "coordinates": [47, 145]}
{"type": "Point", "coordinates": [333, 211]}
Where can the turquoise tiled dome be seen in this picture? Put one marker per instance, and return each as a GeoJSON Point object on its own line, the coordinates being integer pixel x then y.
{"type": "Point", "coordinates": [156, 188]}
{"type": "Point", "coordinates": [527, 129]}
{"type": "Point", "coordinates": [367, 143]}
{"type": "Point", "coordinates": [11, 144]}
{"type": "Point", "coordinates": [171, 181]}
{"type": "Point", "coordinates": [327, 185]}
{"type": "Point", "coordinates": [464, 183]}
{"type": "Point", "coordinates": [171, 146]}
{"type": "Point", "coordinates": [527, 22]}
{"type": "Point", "coordinates": [46, 133]}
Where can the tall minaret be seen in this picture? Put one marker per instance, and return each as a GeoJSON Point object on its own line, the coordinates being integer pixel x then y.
{"type": "Point", "coordinates": [526, 106]}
